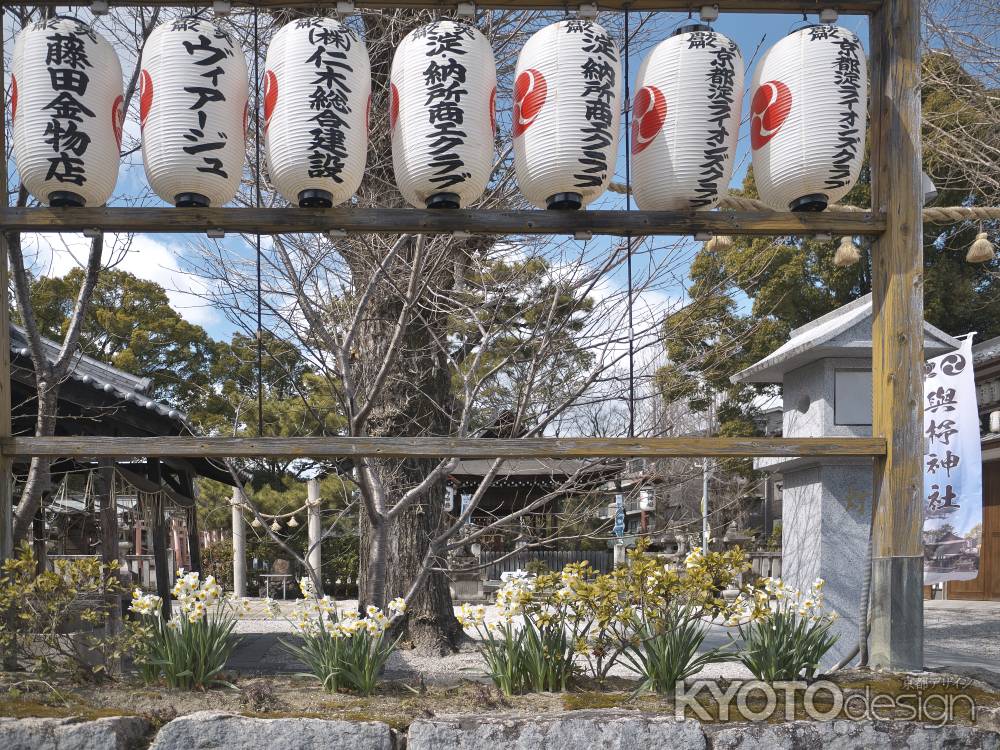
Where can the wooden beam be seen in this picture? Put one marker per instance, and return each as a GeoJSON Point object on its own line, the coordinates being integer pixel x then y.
{"type": "Point", "coordinates": [738, 6]}
{"type": "Point", "coordinates": [110, 553]}
{"type": "Point", "coordinates": [295, 220]}
{"type": "Point", "coordinates": [897, 336]}
{"type": "Point", "coordinates": [437, 447]}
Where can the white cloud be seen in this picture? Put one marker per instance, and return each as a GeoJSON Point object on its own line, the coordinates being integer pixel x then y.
{"type": "Point", "coordinates": [145, 257]}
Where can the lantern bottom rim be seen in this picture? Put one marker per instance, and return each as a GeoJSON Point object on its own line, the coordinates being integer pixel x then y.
{"type": "Point", "coordinates": [191, 200]}
{"type": "Point", "coordinates": [444, 200]}
{"type": "Point", "coordinates": [315, 199]}
{"type": "Point", "coordinates": [812, 203]}
{"type": "Point", "coordinates": [564, 202]}
{"type": "Point", "coordinates": [66, 199]}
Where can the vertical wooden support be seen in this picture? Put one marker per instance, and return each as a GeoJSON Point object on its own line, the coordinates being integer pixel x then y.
{"type": "Point", "coordinates": [897, 335]}
{"type": "Point", "coordinates": [314, 555]}
{"type": "Point", "coordinates": [158, 532]}
{"type": "Point", "coordinates": [239, 545]}
{"type": "Point", "coordinates": [109, 536]}
{"type": "Point", "coordinates": [194, 540]}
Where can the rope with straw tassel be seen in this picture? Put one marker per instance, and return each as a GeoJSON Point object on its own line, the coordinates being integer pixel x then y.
{"type": "Point", "coordinates": [847, 253]}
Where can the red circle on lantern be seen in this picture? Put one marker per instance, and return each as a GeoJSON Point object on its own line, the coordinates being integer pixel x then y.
{"type": "Point", "coordinates": [13, 98]}
{"type": "Point", "coordinates": [649, 112]}
{"type": "Point", "coordinates": [493, 111]}
{"type": "Point", "coordinates": [145, 97]}
{"type": "Point", "coordinates": [393, 106]}
{"type": "Point", "coordinates": [772, 102]}
{"type": "Point", "coordinates": [118, 119]}
{"type": "Point", "coordinates": [530, 90]}
{"type": "Point", "coordinates": [270, 96]}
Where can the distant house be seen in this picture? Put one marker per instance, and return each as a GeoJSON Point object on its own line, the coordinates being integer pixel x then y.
{"type": "Point", "coordinates": [545, 489]}
{"type": "Point", "coordinates": [98, 399]}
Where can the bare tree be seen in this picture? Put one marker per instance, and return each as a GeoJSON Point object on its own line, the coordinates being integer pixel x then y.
{"type": "Point", "coordinates": [50, 372]}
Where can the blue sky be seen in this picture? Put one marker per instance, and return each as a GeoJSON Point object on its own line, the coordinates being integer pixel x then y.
{"type": "Point", "coordinates": [162, 258]}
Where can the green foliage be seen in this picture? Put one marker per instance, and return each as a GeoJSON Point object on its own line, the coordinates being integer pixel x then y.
{"type": "Point", "coordinates": [55, 621]}
{"type": "Point", "coordinates": [643, 615]}
{"type": "Point", "coordinates": [190, 650]}
{"type": "Point", "coordinates": [666, 649]}
{"type": "Point", "coordinates": [217, 561]}
{"type": "Point", "coordinates": [341, 649]}
{"type": "Point", "coordinates": [787, 641]}
{"type": "Point", "coordinates": [774, 541]}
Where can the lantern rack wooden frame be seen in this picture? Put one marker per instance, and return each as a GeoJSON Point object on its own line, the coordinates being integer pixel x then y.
{"type": "Point", "coordinates": [896, 229]}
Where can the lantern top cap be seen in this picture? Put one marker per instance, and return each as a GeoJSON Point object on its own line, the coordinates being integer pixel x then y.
{"type": "Point", "coordinates": [688, 28]}
{"type": "Point", "coordinates": [844, 332]}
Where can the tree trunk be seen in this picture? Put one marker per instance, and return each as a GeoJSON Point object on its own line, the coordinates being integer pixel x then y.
{"type": "Point", "coordinates": [430, 624]}
{"type": "Point", "coordinates": [39, 480]}
{"type": "Point", "coordinates": [416, 399]}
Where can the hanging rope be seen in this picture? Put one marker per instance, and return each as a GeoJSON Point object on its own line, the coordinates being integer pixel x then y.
{"type": "Point", "coordinates": [933, 214]}
{"type": "Point", "coordinates": [256, 141]}
{"type": "Point", "coordinates": [981, 250]}
{"type": "Point", "coordinates": [628, 237]}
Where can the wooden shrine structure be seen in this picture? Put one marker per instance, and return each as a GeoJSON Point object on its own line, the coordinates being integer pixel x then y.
{"type": "Point", "coordinates": [894, 223]}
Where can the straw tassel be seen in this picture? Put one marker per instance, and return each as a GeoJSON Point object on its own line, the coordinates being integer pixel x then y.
{"type": "Point", "coordinates": [719, 242]}
{"type": "Point", "coordinates": [981, 250]}
{"type": "Point", "coordinates": [847, 253]}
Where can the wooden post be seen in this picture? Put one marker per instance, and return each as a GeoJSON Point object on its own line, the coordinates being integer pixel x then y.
{"type": "Point", "coordinates": [159, 534]}
{"type": "Point", "coordinates": [110, 552]}
{"type": "Point", "coordinates": [193, 539]}
{"type": "Point", "coordinates": [239, 546]}
{"type": "Point", "coordinates": [314, 555]}
{"type": "Point", "coordinates": [897, 336]}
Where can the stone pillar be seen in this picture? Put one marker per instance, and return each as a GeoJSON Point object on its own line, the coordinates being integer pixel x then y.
{"type": "Point", "coordinates": [239, 546]}
{"type": "Point", "coordinates": [824, 534]}
{"type": "Point", "coordinates": [314, 555]}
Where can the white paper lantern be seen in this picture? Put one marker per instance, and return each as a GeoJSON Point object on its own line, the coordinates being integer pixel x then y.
{"type": "Point", "coordinates": [193, 108]}
{"type": "Point", "coordinates": [685, 120]}
{"type": "Point", "coordinates": [442, 114]}
{"type": "Point", "coordinates": [317, 88]}
{"type": "Point", "coordinates": [808, 117]}
{"type": "Point", "coordinates": [567, 106]}
{"type": "Point", "coordinates": [67, 113]}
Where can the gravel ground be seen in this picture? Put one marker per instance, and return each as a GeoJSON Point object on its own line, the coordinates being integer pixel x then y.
{"type": "Point", "coordinates": [962, 630]}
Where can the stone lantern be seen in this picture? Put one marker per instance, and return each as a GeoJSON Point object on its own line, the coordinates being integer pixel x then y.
{"type": "Point", "coordinates": [825, 371]}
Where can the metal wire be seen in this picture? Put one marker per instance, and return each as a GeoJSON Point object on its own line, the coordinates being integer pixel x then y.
{"type": "Point", "coordinates": [256, 142]}
{"type": "Point", "coordinates": [628, 237]}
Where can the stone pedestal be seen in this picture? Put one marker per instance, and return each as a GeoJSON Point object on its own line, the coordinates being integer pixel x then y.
{"type": "Point", "coordinates": [824, 534]}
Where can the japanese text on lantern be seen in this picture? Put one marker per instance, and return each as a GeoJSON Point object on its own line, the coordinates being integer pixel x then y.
{"type": "Point", "coordinates": [721, 81]}
{"type": "Point", "coordinates": [67, 61]}
{"type": "Point", "coordinates": [328, 147]}
{"type": "Point", "coordinates": [598, 94]}
{"type": "Point", "coordinates": [444, 80]}
{"type": "Point", "coordinates": [847, 77]}
{"type": "Point", "coordinates": [208, 52]}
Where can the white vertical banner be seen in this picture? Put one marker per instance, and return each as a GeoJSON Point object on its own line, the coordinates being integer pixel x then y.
{"type": "Point", "coordinates": [953, 474]}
